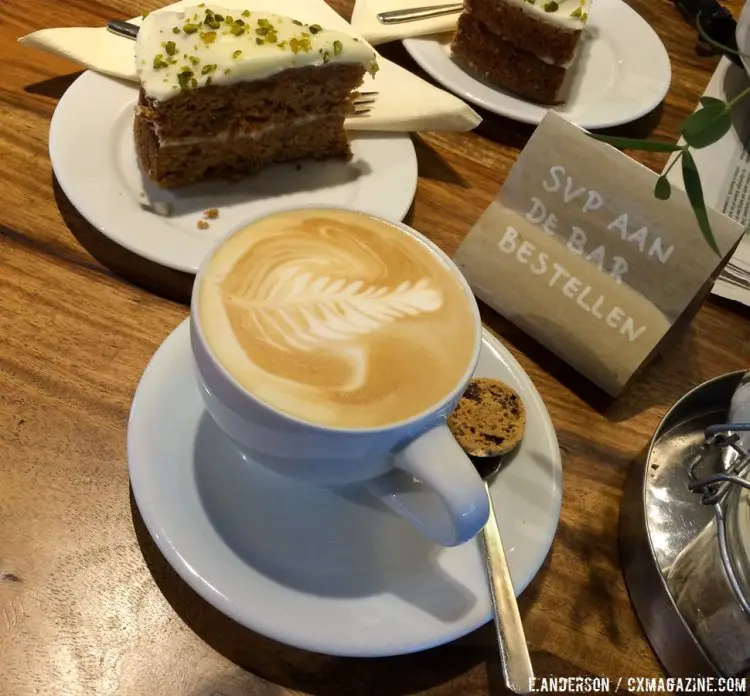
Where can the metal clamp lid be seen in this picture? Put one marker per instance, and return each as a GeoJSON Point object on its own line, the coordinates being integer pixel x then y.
{"type": "Point", "coordinates": [716, 488]}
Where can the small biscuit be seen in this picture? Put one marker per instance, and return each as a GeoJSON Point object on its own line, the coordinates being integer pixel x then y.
{"type": "Point", "coordinates": [490, 418]}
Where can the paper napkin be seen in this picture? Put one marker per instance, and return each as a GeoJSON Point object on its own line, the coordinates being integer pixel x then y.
{"type": "Point", "coordinates": [405, 102]}
{"type": "Point", "coordinates": [365, 21]}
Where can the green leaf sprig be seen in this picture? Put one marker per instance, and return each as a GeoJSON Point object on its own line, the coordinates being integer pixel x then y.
{"type": "Point", "coordinates": [706, 126]}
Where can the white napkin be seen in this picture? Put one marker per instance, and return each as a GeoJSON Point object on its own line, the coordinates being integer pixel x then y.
{"type": "Point", "coordinates": [365, 21]}
{"type": "Point", "coordinates": [404, 102]}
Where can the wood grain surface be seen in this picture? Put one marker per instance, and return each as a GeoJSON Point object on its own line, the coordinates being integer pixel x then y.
{"type": "Point", "coordinates": [87, 603]}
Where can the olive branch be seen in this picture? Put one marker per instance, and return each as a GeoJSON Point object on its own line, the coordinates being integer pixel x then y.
{"type": "Point", "coordinates": [706, 126]}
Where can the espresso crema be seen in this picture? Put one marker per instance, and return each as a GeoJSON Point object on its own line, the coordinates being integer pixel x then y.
{"type": "Point", "coordinates": [336, 318]}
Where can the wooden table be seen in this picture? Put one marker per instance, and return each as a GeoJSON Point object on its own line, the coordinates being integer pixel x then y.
{"type": "Point", "coordinates": [87, 603]}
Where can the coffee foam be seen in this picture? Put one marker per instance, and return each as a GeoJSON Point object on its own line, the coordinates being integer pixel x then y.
{"type": "Point", "coordinates": [336, 318]}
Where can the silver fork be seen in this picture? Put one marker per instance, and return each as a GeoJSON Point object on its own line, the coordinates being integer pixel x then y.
{"type": "Point", "coordinates": [362, 103]}
{"type": "Point", "coordinates": [413, 14]}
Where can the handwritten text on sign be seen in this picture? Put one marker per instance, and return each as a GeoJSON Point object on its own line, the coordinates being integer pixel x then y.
{"type": "Point", "coordinates": [608, 268]}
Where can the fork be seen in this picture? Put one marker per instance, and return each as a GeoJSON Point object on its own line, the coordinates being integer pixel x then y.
{"type": "Point", "coordinates": [362, 102]}
{"type": "Point", "coordinates": [413, 14]}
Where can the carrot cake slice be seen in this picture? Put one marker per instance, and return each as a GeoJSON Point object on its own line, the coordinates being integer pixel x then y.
{"type": "Point", "coordinates": [523, 46]}
{"type": "Point", "coordinates": [225, 93]}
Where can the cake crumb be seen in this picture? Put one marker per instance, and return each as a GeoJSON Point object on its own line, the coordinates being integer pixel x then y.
{"type": "Point", "coordinates": [203, 225]}
{"type": "Point", "coordinates": [211, 213]}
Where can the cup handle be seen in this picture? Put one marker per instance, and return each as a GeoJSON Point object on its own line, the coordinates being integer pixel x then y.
{"type": "Point", "coordinates": [455, 508]}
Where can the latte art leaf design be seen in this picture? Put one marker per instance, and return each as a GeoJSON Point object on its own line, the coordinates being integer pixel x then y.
{"type": "Point", "coordinates": [296, 310]}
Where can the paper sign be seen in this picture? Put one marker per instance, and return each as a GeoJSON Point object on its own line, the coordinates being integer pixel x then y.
{"type": "Point", "coordinates": [577, 252]}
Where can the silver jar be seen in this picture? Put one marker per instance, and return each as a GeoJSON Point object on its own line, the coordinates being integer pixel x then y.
{"type": "Point", "coordinates": [709, 578]}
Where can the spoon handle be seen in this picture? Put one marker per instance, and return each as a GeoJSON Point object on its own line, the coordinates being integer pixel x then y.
{"type": "Point", "coordinates": [514, 653]}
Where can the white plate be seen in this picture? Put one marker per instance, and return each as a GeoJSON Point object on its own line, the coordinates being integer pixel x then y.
{"type": "Point", "coordinates": [93, 156]}
{"type": "Point", "coordinates": [326, 571]}
{"type": "Point", "coordinates": [623, 72]}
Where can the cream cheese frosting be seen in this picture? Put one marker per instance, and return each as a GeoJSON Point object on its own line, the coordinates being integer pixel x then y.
{"type": "Point", "coordinates": [207, 44]}
{"type": "Point", "coordinates": [571, 14]}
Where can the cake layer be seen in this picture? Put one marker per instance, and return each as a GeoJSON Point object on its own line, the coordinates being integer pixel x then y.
{"type": "Point", "coordinates": [511, 19]}
{"type": "Point", "coordinates": [246, 106]}
{"type": "Point", "coordinates": [505, 64]}
{"type": "Point", "coordinates": [209, 45]}
{"type": "Point", "coordinates": [176, 163]}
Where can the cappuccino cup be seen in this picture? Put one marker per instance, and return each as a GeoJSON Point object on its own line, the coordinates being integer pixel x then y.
{"type": "Point", "coordinates": [331, 346]}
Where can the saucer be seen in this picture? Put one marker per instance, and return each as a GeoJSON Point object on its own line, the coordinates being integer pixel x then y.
{"type": "Point", "coordinates": [93, 156]}
{"type": "Point", "coordinates": [623, 72]}
{"type": "Point", "coordinates": [330, 571]}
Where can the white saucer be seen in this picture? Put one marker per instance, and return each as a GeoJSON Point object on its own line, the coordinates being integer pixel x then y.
{"type": "Point", "coordinates": [623, 72]}
{"type": "Point", "coordinates": [93, 156]}
{"type": "Point", "coordinates": [327, 571]}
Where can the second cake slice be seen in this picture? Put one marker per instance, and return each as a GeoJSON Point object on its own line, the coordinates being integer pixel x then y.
{"type": "Point", "coordinates": [524, 46]}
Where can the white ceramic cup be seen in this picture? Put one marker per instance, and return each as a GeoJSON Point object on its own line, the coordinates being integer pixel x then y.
{"type": "Point", "coordinates": [447, 502]}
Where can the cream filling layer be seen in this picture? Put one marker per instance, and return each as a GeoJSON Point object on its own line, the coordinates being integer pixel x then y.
{"type": "Point", "coordinates": [227, 135]}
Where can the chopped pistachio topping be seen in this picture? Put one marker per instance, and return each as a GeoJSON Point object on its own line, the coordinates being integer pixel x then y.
{"type": "Point", "coordinates": [246, 13]}
{"type": "Point", "coordinates": [337, 48]}
{"type": "Point", "coordinates": [206, 69]}
{"type": "Point", "coordinates": [262, 31]}
{"type": "Point", "coordinates": [576, 13]}
{"type": "Point", "coordinates": [212, 22]}
{"type": "Point", "coordinates": [175, 30]}
{"type": "Point", "coordinates": [227, 71]}
{"type": "Point", "coordinates": [194, 60]}
{"type": "Point", "coordinates": [283, 44]}
{"type": "Point", "coordinates": [209, 80]}
{"type": "Point", "coordinates": [228, 19]}
{"type": "Point", "coordinates": [355, 39]}
{"type": "Point", "coordinates": [263, 22]}
{"type": "Point", "coordinates": [144, 15]}
{"type": "Point", "coordinates": [315, 28]}
{"type": "Point", "coordinates": [159, 61]}
{"type": "Point", "coordinates": [326, 55]}
{"type": "Point", "coordinates": [236, 54]}
{"type": "Point", "coordinates": [190, 28]}
{"type": "Point", "coordinates": [219, 18]}
{"type": "Point", "coordinates": [240, 22]}
{"type": "Point", "coordinates": [259, 41]}
{"type": "Point", "coordinates": [209, 37]}
{"type": "Point", "coordinates": [184, 79]}
{"type": "Point", "coordinates": [374, 67]}
{"type": "Point", "coordinates": [298, 45]}
{"type": "Point", "coordinates": [297, 22]}
{"type": "Point", "coordinates": [551, 6]}
{"type": "Point", "coordinates": [170, 47]}
{"type": "Point", "coordinates": [237, 29]}
{"type": "Point", "coordinates": [203, 4]}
